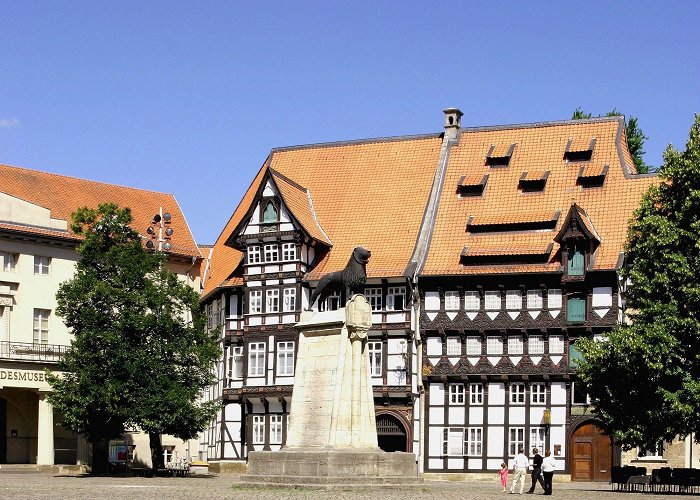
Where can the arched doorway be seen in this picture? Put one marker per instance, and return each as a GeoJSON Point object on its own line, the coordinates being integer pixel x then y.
{"type": "Point", "coordinates": [590, 453]}
{"type": "Point", "coordinates": [391, 433]}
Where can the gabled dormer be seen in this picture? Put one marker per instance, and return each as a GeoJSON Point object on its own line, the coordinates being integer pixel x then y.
{"type": "Point", "coordinates": [578, 240]}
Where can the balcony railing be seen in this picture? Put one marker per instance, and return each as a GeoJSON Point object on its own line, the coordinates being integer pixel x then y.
{"type": "Point", "coordinates": [22, 351]}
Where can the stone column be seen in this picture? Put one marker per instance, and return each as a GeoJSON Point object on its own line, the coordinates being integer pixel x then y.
{"type": "Point", "coordinates": [45, 452]}
{"type": "Point", "coordinates": [84, 451]}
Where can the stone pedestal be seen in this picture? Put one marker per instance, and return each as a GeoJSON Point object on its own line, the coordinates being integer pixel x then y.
{"type": "Point", "coordinates": [332, 434]}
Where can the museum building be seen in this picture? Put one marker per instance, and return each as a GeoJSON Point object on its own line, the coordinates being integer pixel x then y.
{"type": "Point", "coordinates": [493, 249]}
{"type": "Point", "coordinates": [37, 254]}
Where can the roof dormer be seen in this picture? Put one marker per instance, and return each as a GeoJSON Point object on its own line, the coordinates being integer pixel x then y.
{"type": "Point", "coordinates": [579, 149]}
{"type": "Point", "coordinates": [472, 185]}
{"type": "Point", "coordinates": [499, 155]}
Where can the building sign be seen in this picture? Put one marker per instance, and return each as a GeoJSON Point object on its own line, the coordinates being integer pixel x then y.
{"type": "Point", "coordinates": [33, 379]}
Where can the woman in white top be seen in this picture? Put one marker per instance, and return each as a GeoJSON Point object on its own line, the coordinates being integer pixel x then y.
{"type": "Point", "coordinates": [548, 466]}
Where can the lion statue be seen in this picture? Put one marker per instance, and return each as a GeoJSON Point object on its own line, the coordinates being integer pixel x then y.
{"type": "Point", "coordinates": [351, 278]}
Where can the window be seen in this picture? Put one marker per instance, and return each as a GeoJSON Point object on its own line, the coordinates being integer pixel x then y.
{"type": "Point", "coordinates": [579, 394]}
{"type": "Point", "coordinates": [451, 301]}
{"type": "Point", "coordinates": [476, 394]}
{"type": "Point", "coordinates": [275, 429]}
{"type": "Point", "coordinates": [41, 264]}
{"type": "Point", "coordinates": [222, 311]}
{"type": "Point", "coordinates": [535, 345]}
{"type": "Point", "coordinates": [472, 301]}
{"type": "Point", "coordinates": [285, 358]}
{"type": "Point", "coordinates": [554, 298]}
{"type": "Point", "coordinates": [474, 442]}
{"type": "Point", "coordinates": [255, 306]}
{"type": "Point", "coordinates": [256, 359]}
{"type": "Point", "coordinates": [473, 346]}
{"type": "Point", "coordinates": [456, 394]}
{"type": "Point", "coordinates": [254, 255]}
{"type": "Point", "coordinates": [374, 349]}
{"type": "Point", "coordinates": [374, 296]}
{"type": "Point", "coordinates": [534, 299]}
{"type": "Point", "coordinates": [453, 441]}
{"type": "Point", "coordinates": [168, 454]}
{"type": "Point", "coordinates": [538, 394]}
{"type": "Point", "coordinates": [574, 355]}
{"type": "Point", "coordinates": [331, 303]}
{"type": "Point", "coordinates": [576, 309]}
{"type": "Point", "coordinates": [515, 344]}
{"type": "Point", "coordinates": [210, 315]}
{"type": "Point", "coordinates": [575, 264]}
{"type": "Point", "coordinates": [8, 261]}
{"type": "Point", "coordinates": [271, 254]}
{"type": "Point", "coordinates": [396, 298]}
{"type": "Point", "coordinates": [556, 344]}
{"type": "Point", "coordinates": [258, 429]}
{"type": "Point", "coordinates": [41, 326]}
{"type": "Point", "coordinates": [492, 301]}
{"type": "Point", "coordinates": [494, 345]}
{"type": "Point", "coordinates": [290, 300]}
{"type": "Point", "coordinates": [235, 362]}
{"type": "Point", "coordinates": [517, 394]}
{"type": "Point", "coordinates": [272, 299]}
{"type": "Point", "coordinates": [514, 300]}
{"type": "Point", "coordinates": [289, 251]}
{"type": "Point", "coordinates": [653, 453]}
{"type": "Point", "coordinates": [516, 440]}
{"type": "Point", "coordinates": [537, 438]}
{"type": "Point", "coordinates": [454, 346]}
{"type": "Point", "coordinates": [270, 213]}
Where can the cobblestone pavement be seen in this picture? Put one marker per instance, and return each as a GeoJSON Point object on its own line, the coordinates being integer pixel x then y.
{"type": "Point", "coordinates": [42, 486]}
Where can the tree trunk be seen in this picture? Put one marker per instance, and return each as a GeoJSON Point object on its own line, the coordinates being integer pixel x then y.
{"type": "Point", "coordinates": [156, 451]}
{"type": "Point", "coordinates": [100, 457]}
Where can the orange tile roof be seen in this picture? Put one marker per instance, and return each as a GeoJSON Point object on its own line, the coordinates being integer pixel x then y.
{"type": "Point", "coordinates": [367, 193]}
{"type": "Point", "coordinates": [501, 150]}
{"type": "Point", "coordinates": [62, 195]}
{"type": "Point", "coordinates": [534, 175]}
{"type": "Point", "coordinates": [473, 180]}
{"type": "Point", "coordinates": [608, 208]}
{"type": "Point", "coordinates": [578, 143]}
{"type": "Point", "coordinates": [497, 218]}
{"type": "Point", "coordinates": [536, 243]}
{"type": "Point", "coordinates": [593, 170]}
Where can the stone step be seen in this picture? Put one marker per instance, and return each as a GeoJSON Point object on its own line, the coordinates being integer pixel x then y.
{"type": "Point", "coordinates": [327, 481]}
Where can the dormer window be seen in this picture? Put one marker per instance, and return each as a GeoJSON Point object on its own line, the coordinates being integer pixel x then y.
{"type": "Point", "coordinates": [578, 240]}
{"type": "Point", "coordinates": [472, 185]}
{"type": "Point", "coordinates": [579, 150]}
{"type": "Point", "coordinates": [499, 156]}
{"type": "Point", "coordinates": [270, 217]}
{"type": "Point", "coordinates": [533, 181]}
{"type": "Point", "coordinates": [592, 176]}
{"type": "Point", "coordinates": [576, 260]}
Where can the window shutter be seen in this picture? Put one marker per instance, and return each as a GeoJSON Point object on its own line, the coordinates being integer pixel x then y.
{"type": "Point", "coordinates": [576, 310]}
{"type": "Point", "coordinates": [576, 263]}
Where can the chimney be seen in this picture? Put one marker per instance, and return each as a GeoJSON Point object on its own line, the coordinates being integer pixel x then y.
{"type": "Point", "coordinates": [453, 120]}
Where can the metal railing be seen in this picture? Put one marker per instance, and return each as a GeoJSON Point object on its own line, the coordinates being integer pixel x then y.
{"type": "Point", "coordinates": [24, 351]}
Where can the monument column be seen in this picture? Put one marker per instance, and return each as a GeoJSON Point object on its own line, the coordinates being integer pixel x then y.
{"type": "Point", "coordinates": [45, 451]}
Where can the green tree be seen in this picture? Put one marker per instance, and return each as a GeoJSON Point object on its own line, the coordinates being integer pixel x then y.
{"type": "Point", "coordinates": [645, 379]}
{"type": "Point", "coordinates": [635, 137]}
{"type": "Point", "coordinates": [140, 356]}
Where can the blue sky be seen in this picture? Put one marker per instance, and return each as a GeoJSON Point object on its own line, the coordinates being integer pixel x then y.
{"type": "Point", "coordinates": [189, 97]}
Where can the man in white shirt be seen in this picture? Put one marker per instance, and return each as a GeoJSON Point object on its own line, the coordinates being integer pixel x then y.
{"type": "Point", "coordinates": [520, 464]}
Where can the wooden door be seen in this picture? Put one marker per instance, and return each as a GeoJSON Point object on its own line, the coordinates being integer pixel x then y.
{"type": "Point", "coordinates": [590, 454]}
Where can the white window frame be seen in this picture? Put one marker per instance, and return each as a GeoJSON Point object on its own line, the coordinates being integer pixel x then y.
{"type": "Point", "coordinates": [452, 301]}
{"type": "Point", "coordinates": [275, 429]}
{"type": "Point", "coordinates": [514, 300]}
{"type": "Point", "coordinates": [289, 300]}
{"type": "Point", "coordinates": [374, 297]}
{"type": "Point", "coordinates": [556, 344]}
{"type": "Point", "coordinates": [573, 396]}
{"type": "Point", "coordinates": [474, 441]}
{"type": "Point", "coordinates": [272, 253]}
{"type": "Point", "coordinates": [537, 439]}
{"type": "Point", "coordinates": [456, 394]}
{"type": "Point", "coordinates": [256, 359]}
{"type": "Point", "coordinates": [515, 345]}
{"type": "Point", "coordinates": [285, 358]}
{"type": "Point", "coordinates": [255, 303]}
{"type": "Point", "coordinates": [476, 393]}
{"type": "Point", "coordinates": [332, 300]}
{"type": "Point", "coordinates": [453, 441]}
{"type": "Point", "coordinates": [454, 346]}
{"type": "Point", "coordinates": [492, 300]}
{"type": "Point", "coordinates": [374, 350]}
{"type": "Point", "coordinates": [538, 394]}
{"type": "Point", "coordinates": [494, 345]}
{"type": "Point", "coordinates": [535, 299]}
{"type": "Point", "coordinates": [554, 298]}
{"type": "Point", "coordinates": [272, 300]}
{"type": "Point", "coordinates": [516, 440]}
{"type": "Point", "coordinates": [392, 293]}
{"type": "Point", "coordinates": [644, 454]}
{"type": "Point", "coordinates": [289, 252]}
{"type": "Point", "coordinates": [258, 429]}
{"type": "Point", "coordinates": [473, 346]}
{"type": "Point", "coordinates": [42, 265]}
{"type": "Point", "coordinates": [472, 301]}
{"type": "Point", "coordinates": [41, 326]}
{"type": "Point", "coordinates": [254, 254]}
{"type": "Point", "coordinates": [9, 262]}
{"type": "Point", "coordinates": [535, 345]}
{"type": "Point", "coordinates": [516, 392]}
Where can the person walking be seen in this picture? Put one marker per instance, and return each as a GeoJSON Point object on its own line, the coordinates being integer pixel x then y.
{"type": "Point", "coordinates": [536, 471]}
{"type": "Point", "coordinates": [520, 464]}
{"type": "Point", "coordinates": [548, 466]}
{"type": "Point", "coordinates": [503, 473]}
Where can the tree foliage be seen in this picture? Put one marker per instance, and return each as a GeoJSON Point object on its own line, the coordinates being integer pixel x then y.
{"type": "Point", "coordinates": [635, 137]}
{"type": "Point", "coordinates": [645, 379]}
{"type": "Point", "coordinates": [140, 356]}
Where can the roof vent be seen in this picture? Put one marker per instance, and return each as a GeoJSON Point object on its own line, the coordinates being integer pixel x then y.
{"type": "Point", "coordinates": [453, 120]}
{"type": "Point", "coordinates": [499, 156]}
{"type": "Point", "coordinates": [579, 150]}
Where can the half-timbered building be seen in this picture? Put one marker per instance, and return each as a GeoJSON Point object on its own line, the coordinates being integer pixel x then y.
{"type": "Point", "coordinates": [493, 250]}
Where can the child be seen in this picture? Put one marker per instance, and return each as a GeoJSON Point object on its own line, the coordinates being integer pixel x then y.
{"type": "Point", "coordinates": [504, 475]}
